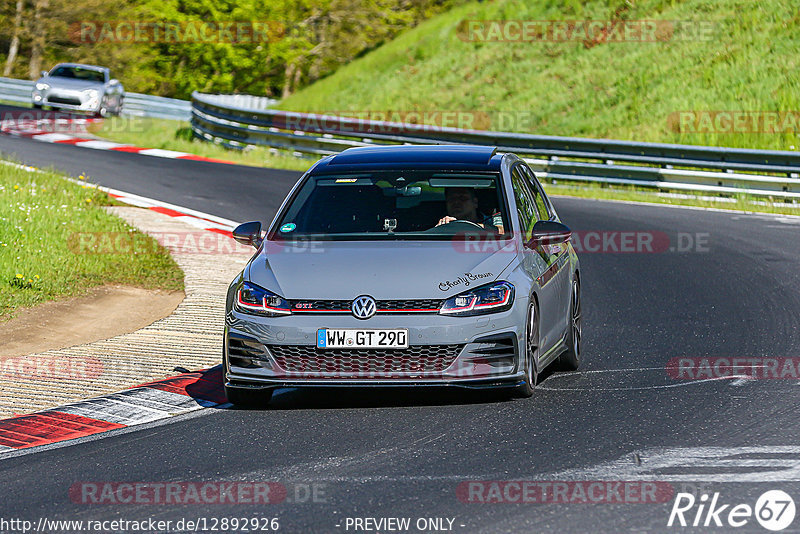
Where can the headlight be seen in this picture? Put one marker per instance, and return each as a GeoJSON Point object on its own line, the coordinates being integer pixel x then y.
{"type": "Point", "coordinates": [490, 298]}
{"type": "Point", "coordinates": [258, 301]}
{"type": "Point", "coordinates": [93, 96]}
{"type": "Point", "coordinates": [42, 86]}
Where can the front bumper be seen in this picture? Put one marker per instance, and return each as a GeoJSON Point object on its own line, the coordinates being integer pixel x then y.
{"type": "Point", "coordinates": [499, 383]}
{"type": "Point", "coordinates": [474, 352]}
{"type": "Point", "coordinates": [70, 100]}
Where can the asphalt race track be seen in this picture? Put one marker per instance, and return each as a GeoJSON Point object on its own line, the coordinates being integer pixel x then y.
{"type": "Point", "coordinates": [378, 453]}
{"type": "Point", "coordinates": [199, 185]}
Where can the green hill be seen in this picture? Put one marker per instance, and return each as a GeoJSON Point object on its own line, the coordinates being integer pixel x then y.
{"type": "Point", "coordinates": [747, 60]}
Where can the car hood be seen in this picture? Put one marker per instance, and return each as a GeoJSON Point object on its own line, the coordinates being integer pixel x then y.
{"type": "Point", "coordinates": [339, 270]}
{"type": "Point", "coordinates": [70, 83]}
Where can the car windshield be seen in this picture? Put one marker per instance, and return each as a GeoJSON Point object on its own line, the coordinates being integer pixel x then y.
{"type": "Point", "coordinates": [397, 205]}
{"type": "Point", "coordinates": [79, 73]}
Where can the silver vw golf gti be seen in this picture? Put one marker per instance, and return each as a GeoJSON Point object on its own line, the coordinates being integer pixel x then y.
{"type": "Point", "coordinates": [405, 265]}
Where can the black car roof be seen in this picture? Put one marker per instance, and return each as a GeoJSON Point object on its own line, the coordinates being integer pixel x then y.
{"type": "Point", "coordinates": [386, 157]}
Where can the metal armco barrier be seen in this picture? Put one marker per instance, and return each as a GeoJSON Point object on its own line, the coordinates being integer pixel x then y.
{"type": "Point", "coordinates": [157, 107]}
{"type": "Point", "coordinates": [135, 104]}
{"type": "Point", "coordinates": [721, 170]}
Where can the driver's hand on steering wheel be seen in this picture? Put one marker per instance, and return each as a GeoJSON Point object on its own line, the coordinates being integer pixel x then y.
{"type": "Point", "coordinates": [445, 220]}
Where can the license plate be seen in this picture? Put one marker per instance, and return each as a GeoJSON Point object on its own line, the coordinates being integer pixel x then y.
{"type": "Point", "coordinates": [337, 338]}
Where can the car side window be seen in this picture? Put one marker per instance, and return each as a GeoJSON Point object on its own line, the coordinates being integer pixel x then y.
{"type": "Point", "coordinates": [538, 194]}
{"type": "Point", "coordinates": [526, 208]}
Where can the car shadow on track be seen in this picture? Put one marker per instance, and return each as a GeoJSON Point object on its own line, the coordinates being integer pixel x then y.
{"type": "Point", "coordinates": [379, 397]}
{"type": "Point", "coordinates": [334, 398]}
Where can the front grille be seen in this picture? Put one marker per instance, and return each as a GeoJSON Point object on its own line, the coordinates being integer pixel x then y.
{"type": "Point", "coordinates": [384, 306]}
{"type": "Point", "coordinates": [406, 305]}
{"type": "Point", "coordinates": [365, 363]}
{"type": "Point", "coordinates": [321, 305]}
{"type": "Point", "coordinates": [71, 100]}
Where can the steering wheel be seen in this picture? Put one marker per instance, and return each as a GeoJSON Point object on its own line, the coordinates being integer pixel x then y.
{"type": "Point", "coordinates": [465, 222]}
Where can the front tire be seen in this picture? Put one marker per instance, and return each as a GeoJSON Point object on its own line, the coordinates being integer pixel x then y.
{"type": "Point", "coordinates": [570, 360]}
{"type": "Point", "coordinates": [531, 348]}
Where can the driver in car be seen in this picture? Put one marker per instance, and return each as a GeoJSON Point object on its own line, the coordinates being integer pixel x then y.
{"type": "Point", "coordinates": [462, 205]}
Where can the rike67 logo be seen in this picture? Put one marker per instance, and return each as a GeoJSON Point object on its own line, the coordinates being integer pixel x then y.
{"type": "Point", "coordinates": [774, 510]}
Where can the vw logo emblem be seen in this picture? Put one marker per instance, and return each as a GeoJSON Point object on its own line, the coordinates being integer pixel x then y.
{"type": "Point", "coordinates": [363, 307]}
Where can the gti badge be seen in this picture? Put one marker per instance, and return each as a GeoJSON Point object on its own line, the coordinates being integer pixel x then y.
{"type": "Point", "coordinates": [363, 307]}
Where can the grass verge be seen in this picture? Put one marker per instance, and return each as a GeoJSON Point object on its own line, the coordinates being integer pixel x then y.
{"type": "Point", "coordinates": [41, 214]}
{"type": "Point", "coordinates": [13, 103]}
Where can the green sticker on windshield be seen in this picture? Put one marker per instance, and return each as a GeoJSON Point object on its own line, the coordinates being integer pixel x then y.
{"type": "Point", "coordinates": [288, 227]}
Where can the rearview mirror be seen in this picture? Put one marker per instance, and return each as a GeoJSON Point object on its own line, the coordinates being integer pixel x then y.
{"type": "Point", "coordinates": [113, 81]}
{"type": "Point", "coordinates": [549, 233]}
{"type": "Point", "coordinates": [409, 191]}
{"type": "Point", "coordinates": [248, 233]}
{"type": "Point", "coordinates": [44, 73]}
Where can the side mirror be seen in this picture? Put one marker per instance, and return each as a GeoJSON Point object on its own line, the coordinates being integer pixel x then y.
{"type": "Point", "coordinates": [248, 233]}
{"type": "Point", "coordinates": [549, 233]}
{"type": "Point", "coordinates": [44, 73]}
{"type": "Point", "coordinates": [113, 81]}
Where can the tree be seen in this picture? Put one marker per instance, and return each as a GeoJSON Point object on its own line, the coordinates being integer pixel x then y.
{"type": "Point", "coordinates": [309, 40]}
{"type": "Point", "coordinates": [13, 48]}
{"type": "Point", "coordinates": [38, 37]}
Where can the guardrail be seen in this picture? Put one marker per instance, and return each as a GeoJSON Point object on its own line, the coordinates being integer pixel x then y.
{"type": "Point", "coordinates": [157, 107]}
{"type": "Point", "coordinates": [135, 104]}
{"type": "Point", "coordinates": [665, 166]}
